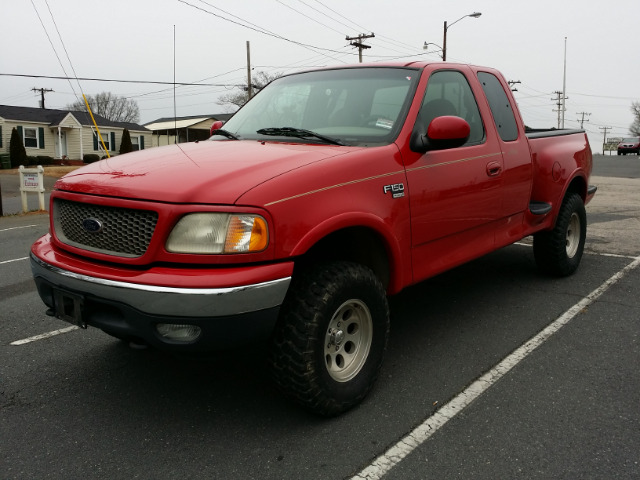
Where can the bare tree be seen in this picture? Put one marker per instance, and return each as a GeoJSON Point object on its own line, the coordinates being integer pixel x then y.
{"type": "Point", "coordinates": [634, 129]}
{"type": "Point", "coordinates": [110, 106]}
{"type": "Point", "coordinates": [258, 82]}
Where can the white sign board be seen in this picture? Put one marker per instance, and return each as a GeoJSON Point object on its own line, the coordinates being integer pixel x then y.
{"type": "Point", "coordinates": [31, 180]}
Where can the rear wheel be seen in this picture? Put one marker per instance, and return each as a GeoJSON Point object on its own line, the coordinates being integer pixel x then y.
{"type": "Point", "coordinates": [559, 251]}
{"type": "Point", "coordinates": [328, 346]}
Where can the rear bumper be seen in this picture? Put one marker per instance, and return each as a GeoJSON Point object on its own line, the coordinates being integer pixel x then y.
{"type": "Point", "coordinates": [635, 150]}
{"type": "Point", "coordinates": [227, 316]}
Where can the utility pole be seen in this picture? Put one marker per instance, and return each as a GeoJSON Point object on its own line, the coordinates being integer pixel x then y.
{"type": "Point", "coordinates": [42, 92]}
{"type": "Point", "coordinates": [582, 120]}
{"type": "Point", "coordinates": [357, 42]}
{"type": "Point", "coordinates": [249, 86]}
{"type": "Point", "coordinates": [604, 140]}
{"type": "Point", "coordinates": [512, 83]}
{"type": "Point", "coordinates": [564, 82]}
{"type": "Point", "coordinates": [560, 98]}
{"type": "Point", "coordinates": [444, 42]}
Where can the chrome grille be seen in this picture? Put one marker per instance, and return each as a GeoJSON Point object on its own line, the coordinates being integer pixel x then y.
{"type": "Point", "coordinates": [114, 231]}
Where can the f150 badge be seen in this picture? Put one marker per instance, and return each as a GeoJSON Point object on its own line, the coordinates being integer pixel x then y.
{"type": "Point", "coordinates": [396, 189]}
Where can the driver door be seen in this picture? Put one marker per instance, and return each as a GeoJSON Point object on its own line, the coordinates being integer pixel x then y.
{"type": "Point", "coordinates": [455, 194]}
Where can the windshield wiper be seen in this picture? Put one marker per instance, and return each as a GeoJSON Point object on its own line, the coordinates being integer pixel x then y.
{"type": "Point", "coordinates": [299, 133]}
{"type": "Point", "coordinates": [225, 133]}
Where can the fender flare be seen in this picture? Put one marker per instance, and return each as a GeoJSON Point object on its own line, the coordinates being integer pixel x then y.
{"type": "Point", "coordinates": [373, 223]}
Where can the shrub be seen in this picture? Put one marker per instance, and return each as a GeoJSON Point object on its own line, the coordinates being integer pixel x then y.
{"type": "Point", "coordinates": [31, 161]}
{"type": "Point", "coordinates": [17, 152]}
{"type": "Point", "coordinates": [90, 157]}
{"type": "Point", "coordinates": [126, 146]}
{"type": "Point", "coordinates": [44, 160]}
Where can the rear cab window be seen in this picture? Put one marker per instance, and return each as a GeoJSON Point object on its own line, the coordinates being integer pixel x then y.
{"type": "Point", "coordinates": [500, 105]}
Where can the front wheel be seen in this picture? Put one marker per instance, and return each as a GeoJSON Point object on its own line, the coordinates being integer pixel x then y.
{"type": "Point", "coordinates": [559, 251]}
{"type": "Point", "coordinates": [328, 345]}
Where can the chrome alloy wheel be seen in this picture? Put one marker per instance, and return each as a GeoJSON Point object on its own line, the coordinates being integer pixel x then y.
{"type": "Point", "coordinates": [573, 235]}
{"type": "Point", "coordinates": [348, 340]}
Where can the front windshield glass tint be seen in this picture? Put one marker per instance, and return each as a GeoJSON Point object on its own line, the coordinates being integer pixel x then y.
{"type": "Point", "coordinates": [354, 106]}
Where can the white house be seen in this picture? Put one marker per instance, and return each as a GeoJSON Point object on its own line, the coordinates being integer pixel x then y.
{"type": "Point", "coordinates": [64, 134]}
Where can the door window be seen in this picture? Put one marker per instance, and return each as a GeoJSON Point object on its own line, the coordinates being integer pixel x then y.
{"type": "Point", "coordinates": [449, 93]}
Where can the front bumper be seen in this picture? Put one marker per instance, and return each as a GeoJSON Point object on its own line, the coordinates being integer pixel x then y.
{"type": "Point", "coordinates": [227, 316]}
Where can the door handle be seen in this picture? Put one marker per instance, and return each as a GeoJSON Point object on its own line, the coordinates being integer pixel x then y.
{"type": "Point", "coordinates": [494, 169]}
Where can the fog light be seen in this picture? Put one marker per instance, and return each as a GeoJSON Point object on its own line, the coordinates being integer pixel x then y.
{"type": "Point", "coordinates": [179, 333]}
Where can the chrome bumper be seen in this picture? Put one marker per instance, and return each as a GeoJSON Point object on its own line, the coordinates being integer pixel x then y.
{"type": "Point", "coordinates": [169, 301]}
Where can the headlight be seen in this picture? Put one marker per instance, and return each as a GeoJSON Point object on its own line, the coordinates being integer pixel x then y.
{"type": "Point", "coordinates": [211, 233]}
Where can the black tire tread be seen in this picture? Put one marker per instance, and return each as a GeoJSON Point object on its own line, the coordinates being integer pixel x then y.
{"type": "Point", "coordinates": [292, 354]}
{"type": "Point", "coordinates": [549, 247]}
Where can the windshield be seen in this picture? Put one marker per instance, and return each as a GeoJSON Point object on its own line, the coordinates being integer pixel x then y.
{"type": "Point", "coordinates": [350, 106]}
{"type": "Point", "coordinates": [631, 140]}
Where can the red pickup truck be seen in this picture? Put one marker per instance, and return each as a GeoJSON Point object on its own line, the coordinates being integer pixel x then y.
{"type": "Point", "coordinates": [327, 192]}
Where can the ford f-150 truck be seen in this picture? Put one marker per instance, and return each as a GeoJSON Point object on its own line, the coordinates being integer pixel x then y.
{"type": "Point", "coordinates": [327, 192]}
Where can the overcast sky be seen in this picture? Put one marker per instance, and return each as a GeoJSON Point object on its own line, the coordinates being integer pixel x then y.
{"type": "Point", "coordinates": [134, 40]}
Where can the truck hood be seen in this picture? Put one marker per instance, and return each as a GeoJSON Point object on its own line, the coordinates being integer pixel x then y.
{"type": "Point", "coordinates": [205, 172]}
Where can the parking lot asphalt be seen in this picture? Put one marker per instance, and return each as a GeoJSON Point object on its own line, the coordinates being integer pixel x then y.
{"type": "Point", "coordinates": [82, 405]}
{"type": "Point", "coordinates": [569, 409]}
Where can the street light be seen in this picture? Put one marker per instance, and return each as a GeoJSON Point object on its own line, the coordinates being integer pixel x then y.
{"type": "Point", "coordinates": [446, 27]}
{"type": "Point", "coordinates": [426, 47]}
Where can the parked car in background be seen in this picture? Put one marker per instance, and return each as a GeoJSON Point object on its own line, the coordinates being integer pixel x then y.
{"type": "Point", "coordinates": [629, 145]}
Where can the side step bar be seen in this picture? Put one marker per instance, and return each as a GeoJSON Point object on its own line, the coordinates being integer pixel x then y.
{"type": "Point", "coordinates": [539, 208]}
{"type": "Point", "coordinates": [542, 208]}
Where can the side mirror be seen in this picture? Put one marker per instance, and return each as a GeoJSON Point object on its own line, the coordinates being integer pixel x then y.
{"type": "Point", "coordinates": [217, 125]}
{"type": "Point", "coordinates": [443, 132]}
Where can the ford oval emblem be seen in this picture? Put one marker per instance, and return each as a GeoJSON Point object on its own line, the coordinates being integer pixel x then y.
{"type": "Point", "coordinates": [92, 225]}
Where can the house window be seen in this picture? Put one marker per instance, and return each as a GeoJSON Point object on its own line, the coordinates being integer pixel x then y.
{"type": "Point", "coordinates": [135, 143]}
{"type": "Point", "coordinates": [105, 139]}
{"type": "Point", "coordinates": [31, 137]}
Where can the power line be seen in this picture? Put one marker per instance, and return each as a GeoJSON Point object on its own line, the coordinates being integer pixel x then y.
{"type": "Point", "coordinates": [52, 46]}
{"type": "Point", "coordinates": [307, 16]}
{"type": "Point", "coordinates": [329, 16]}
{"type": "Point", "coordinates": [256, 28]}
{"type": "Point", "coordinates": [389, 40]}
{"type": "Point", "coordinates": [66, 53]}
{"type": "Point", "coordinates": [89, 79]}
{"type": "Point", "coordinates": [340, 15]}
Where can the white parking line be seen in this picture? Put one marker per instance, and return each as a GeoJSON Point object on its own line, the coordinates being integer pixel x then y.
{"type": "Point", "coordinates": [385, 462]}
{"type": "Point", "coordinates": [16, 228]}
{"type": "Point", "coordinates": [14, 260]}
{"type": "Point", "coordinates": [45, 335]}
